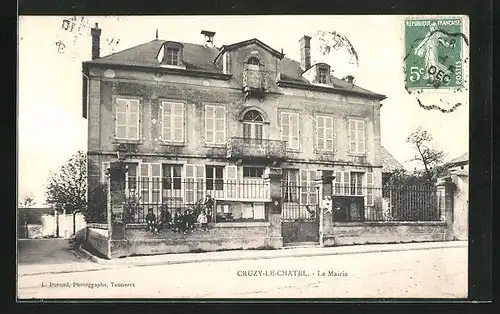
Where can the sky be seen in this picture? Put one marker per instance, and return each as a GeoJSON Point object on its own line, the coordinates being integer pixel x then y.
{"type": "Point", "coordinates": [50, 123]}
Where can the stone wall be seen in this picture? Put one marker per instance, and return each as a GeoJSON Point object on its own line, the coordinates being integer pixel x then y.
{"type": "Point", "coordinates": [383, 232]}
{"type": "Point", "coordinates": [221, 236]}
{"type": "Point", "coordinates": [97, 240]}
{"type": "Point", "coordinates": [461, 206]}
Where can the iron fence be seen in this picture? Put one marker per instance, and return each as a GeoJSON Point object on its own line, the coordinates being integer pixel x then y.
{"type": "Point", "coordinates": [299, 202]}
{"type": "Point", "coordinates": [173, 195]}
{"type": "Point", "coordinates": [362, 203]}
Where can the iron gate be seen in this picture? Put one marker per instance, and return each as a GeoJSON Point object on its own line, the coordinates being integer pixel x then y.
{"type": "Point", "coordinates": [300, 214]}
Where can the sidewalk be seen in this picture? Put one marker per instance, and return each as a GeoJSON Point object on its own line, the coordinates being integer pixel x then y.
{"type": "Point", "coordinates": [96, 263]}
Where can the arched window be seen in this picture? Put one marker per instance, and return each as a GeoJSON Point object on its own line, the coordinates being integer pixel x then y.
{"type": "Point", "coordinates": [253, 61]}
{"type": "Point", "coordinates": [252, 126]}
{"type": "Point", "coordinates": [253, 116]}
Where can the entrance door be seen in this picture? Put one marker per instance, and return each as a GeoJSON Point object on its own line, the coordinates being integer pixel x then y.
{"type": "Point", "coordinates": [300, 215]}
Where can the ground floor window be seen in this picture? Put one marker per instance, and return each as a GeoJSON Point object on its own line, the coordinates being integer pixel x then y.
{"type": "Point", "coordinates": [214, 177]}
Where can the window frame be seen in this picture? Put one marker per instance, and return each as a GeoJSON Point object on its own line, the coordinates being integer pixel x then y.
{"type": "Point", "coordinates": [357, 139]}
{"type": "Point", "coordinates": [252, 172]}
{"type": "Point", "coordinates": [290, 137]}
{"type": "Point", "coordinates": [172, 140]}
{"type": "Point", "coordinates": [291, 191]}
{"type": "Point", "coordinates": [168, 58]}
{"type": "Point", "coordinates": [127, 125]}
{"type": "Point", "coordinates": [213, 108]}
{"type": "Point", "coordinates": [324, 137]}
{"type": "Point", "coordinates": [322, 74]}
{"type": "Point", "coordinates": [343, 183]}
{"type": "Point", "coordinates": [214, 183]}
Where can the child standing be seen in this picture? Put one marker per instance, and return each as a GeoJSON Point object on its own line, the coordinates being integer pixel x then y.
{"type": "Point", "coordinates": [202, 219]}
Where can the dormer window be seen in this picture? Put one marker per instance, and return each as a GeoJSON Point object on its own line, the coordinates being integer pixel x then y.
{"type": "Point", "coordinates": [322, 75]}
{"type": "Point", "coordinates": [172, 56]}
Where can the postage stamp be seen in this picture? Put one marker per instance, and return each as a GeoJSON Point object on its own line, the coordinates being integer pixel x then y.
{"type": "Point", "coordinates": [434, 53]}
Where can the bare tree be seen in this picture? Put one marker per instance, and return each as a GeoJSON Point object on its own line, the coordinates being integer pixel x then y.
{"type": "Point", "coordinates": [430, 157]}
{"type": "Point", "coordinates": [28, 201]}
{"type": "Point", "coordinates": [67, 189]}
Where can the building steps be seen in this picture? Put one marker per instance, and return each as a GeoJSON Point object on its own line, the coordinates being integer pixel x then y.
{"type": "Point", "coordinates": [295, 245]}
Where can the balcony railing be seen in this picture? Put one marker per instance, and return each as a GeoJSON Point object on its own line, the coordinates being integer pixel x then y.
{"type": "Point", "coordinates": [239, 147]}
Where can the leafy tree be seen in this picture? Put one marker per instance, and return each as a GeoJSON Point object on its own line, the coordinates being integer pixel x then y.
{"type": "Point", "coordinates": [425, 153]}
{"type": "Point", "coordinates": [28, 202]}
{"type": "Point", "coordinates": [67, 189]}
{"type": "Point", "coordinates": [97, 202]}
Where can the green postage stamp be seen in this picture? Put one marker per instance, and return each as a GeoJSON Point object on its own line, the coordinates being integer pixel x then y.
{"type": "Point", "coordinates": [434, 55]}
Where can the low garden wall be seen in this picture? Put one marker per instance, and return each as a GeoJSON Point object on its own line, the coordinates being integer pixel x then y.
{"type": "Point", "coordinates": [96, 239]}
{"type": "Point", "coordinates": [136, 240]}
{"type": "Point", "coordinates": [347, 233]}
{"type": "Point", "coordinates": [222, 236]}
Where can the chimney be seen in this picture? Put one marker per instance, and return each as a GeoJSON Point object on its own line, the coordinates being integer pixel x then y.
{"type": "Point", "coordinates": [95, 32]}
{"type": "Point", "coordinates": [349, 79]}
{"type": "Point", "coordinates": [209, 38]}
{"type": "Point", "coordinates": [305, 52]}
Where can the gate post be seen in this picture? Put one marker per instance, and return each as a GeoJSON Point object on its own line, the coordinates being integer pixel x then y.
{"type": "Point", "coordinates": [444, 189]}
{"type": "Point", "coordinates": [273, 180]}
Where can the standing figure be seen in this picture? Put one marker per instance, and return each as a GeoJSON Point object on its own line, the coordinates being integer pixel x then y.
{"type": "Point", "coordinates": [209, 204]}
{"type": "Point", "coordinates": [202, 219]}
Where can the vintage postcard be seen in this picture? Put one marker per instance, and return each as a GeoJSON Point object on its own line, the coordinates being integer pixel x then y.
{"type": "Point", "coordinates": [202, 157]}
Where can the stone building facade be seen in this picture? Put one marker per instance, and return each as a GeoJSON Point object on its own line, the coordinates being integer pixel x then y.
{"type": "Point", "coordinates": [183, 111]}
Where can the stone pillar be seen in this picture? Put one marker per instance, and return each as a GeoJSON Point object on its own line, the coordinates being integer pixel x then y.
{"type": "Point", "coordinates": [273, 179]}
{"type": "Point", "coordinates": [445, 188]}
{"type": "Point", "coordinates": [117, 198]}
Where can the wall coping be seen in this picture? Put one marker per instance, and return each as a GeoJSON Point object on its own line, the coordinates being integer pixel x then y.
{"type": "Point", "coordinates": [389, 223]}
{"type": "Point", "coordinates": [215, 225]}
{"type": "Point", "coordinates": [97, 226]}
{"type": "Point", "coordinates": [242, 224]}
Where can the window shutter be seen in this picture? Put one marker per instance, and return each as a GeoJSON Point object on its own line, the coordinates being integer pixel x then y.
{"type": "Point", "coordinates": [247, 130]}
{"type": "Point", "coordinates": [329, 134]}
{"type": "Point", "coordinates": [133, 119]}
{"type": "Point", "coordinates": [120, 118]}
{"type": "Point", "coordinates": [304, 174]}
{"type": "Point", "coordinates": [321, 132]}
{"type": "Point", "coordinates": [105, 166]}
{"type": "Point", "coordinates": [155, 182]}
{"type": "Point", "coordinates": [352, 135]}
{"type": "Point", "coordinates": [258, 131]}
{"type": "Point", "coordinates": [312, 187]}
{"type": "Point", "coordinates": [220, 125]}
{"type": "Point", "coordinates": [230, 181]}
{"type": "Point", "coordinates": [338, 182]}
{"type": "Point", "coordinates": [369, 187]}
{"type": "Point", "coordinates": [144, 182]}
{"type": "Point", "coordinates": [189, 185]}
{"type": "Point", "coordinates": [178, 122]}
{"type": "Point", "coordinates": [285, 128]}
{"type": "Point", "coordinates": [200, 182]}
{"type": "Point", "coordinates": [166, 121]}
{"type": "Point", "coordinates": [294, 130]}
{"type": "Point", "coordinates": [346, 177]}
{"type": "Point", "coordinates": [209, 124]}
{"type": "Point", "coordinates": [360, 136]}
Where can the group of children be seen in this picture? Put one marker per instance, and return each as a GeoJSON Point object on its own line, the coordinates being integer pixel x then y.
{"type": "Point", "coordinates": [180, 222]}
